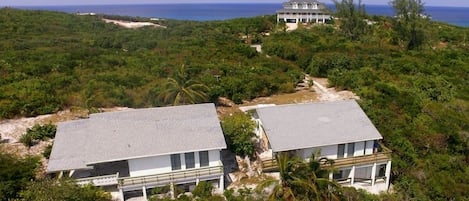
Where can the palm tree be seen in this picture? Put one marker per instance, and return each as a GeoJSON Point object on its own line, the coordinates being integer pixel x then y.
{"type": "Point", "coordinates": [181, 90]}
{"type": "Point", "coordinates": [317, 178]}
{"type": "Point", "coordinates": [282, 190]}
{"type": "Point", "coordinates": [301, 180]}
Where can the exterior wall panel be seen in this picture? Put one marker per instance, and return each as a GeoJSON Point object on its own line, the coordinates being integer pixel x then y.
{"type": "Point", "coordinates": [149, 166]}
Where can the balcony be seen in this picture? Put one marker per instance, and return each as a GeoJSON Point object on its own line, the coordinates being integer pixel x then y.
{"type": "Point", "coordinates": [270, 165]}
{"type": "Point", "coordinates": [152, 180]}
{"type": "Point", "coordinates": [106, 180]}
{"type": "Point", "coordinates": [174, 176]}
{"type": "Point", "coordinates": [361, 160]}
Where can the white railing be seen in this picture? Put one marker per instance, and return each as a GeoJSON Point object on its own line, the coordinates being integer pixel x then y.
{"type": "Point", "coordinates": [172, 176]}
{"type": "Point", "coordinates": [106, 180]}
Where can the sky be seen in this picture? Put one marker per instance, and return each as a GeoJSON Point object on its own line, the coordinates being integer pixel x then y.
{"type": "Point", "coordinates": [450, 3]}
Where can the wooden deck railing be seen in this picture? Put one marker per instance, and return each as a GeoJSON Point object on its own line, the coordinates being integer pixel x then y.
{"type": "Point", "coordinates": [164, 178]}
{"type": "Point", "coordinates": [106, 180]}
{"type": "Point", "coordinates": [361, 160]}
{"type": "Point", "coordinates": [383, 156]}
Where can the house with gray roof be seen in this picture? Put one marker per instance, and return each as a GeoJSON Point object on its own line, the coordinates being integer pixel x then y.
{"type": "Point", "coordinates": [336, 130]}
{"type": "Point", "coordinates": [139, 149]}
{"type": "Point", "coordinates": [303, 11]}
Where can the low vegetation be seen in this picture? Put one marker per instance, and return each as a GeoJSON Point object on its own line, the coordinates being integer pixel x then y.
{"type": "Point", "coordinates": [410, 73]}
{"type": "Point", "coordinates": [239, 133]}
{"type": "Point", "coordinates": [37, 133]}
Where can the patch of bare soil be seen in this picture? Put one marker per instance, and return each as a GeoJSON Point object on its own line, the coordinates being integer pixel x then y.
{"type": "Point", "coordinates": [325, 93]}
{"type": "Point", "coordinates": [318, 92]}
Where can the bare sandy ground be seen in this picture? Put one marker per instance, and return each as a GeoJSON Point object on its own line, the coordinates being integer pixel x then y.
{"type": "Point", "coordinates": [133, 25]}
{"type": "Point", "coordinates": [330, 94]}
{"type": "Point", "coordinates": [318, 92]}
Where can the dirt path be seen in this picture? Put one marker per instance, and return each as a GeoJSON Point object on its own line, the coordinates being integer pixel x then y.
{"type": "Point", "coordinates": [330, 94]}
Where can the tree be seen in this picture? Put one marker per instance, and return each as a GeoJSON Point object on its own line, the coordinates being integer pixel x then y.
{"type": "Point", "coordinates": [352, 18]}
{"type": "Point", "coordinates": [410, 22]}
{"type": "Point", "coordinates": [300, 180]}
{"type": "Point", "coordinates": [203, 190]}
{"type": "Point", "coordinates": [239, 131]}
{"type": "Point", "coordinates": [15, 173]}
{"type": "Point", "coordinates": [63, 189]}
{"type": "Point", "coordinates": [317, 179]}
{"type": "Point", "coordinates": [181, 90]}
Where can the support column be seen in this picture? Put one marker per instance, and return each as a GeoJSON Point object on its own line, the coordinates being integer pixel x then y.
{"type": "Point", "coordinates": [388, 174]}
{"type": "Point", "coordinates": [144, 190]}
{"type": "Point", "coordinates": [197, 180]}
{"type": "Point", "coordinates": [331, 176]}
{"type": "Point", "coordinates": [121, 194]}
{"type": "Point", "coordinates": [221, 184]}
{"type": "Point", "coordinates": [352, 172]}
{"type": "Point", "coordinates": [171, 190]}
{"type": "Point", "coordinates": [373, 174]}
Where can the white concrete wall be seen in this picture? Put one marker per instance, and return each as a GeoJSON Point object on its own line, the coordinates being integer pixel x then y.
{"type": "Point", "coordinates": [326, 151]}
{"type": "Point", "coordinates": [331, 151]}
{"type": "Point", "coordinates": [149, 166]}
{"type": "Point", "coordinates": [162, 164]}
{"type": "Point", "coordinates": [213, 157]}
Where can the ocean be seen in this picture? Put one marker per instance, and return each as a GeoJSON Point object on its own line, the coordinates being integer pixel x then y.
{"type": "Point", "coordinates": [206, 12]}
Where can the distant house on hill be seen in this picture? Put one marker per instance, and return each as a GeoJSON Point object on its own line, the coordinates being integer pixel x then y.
{"type": "Point", "coordinates": [130, 152]}
{"type": "Point", "coordinates": [303, 11]}
{"type": "Point", "coordinates": [338, 130]}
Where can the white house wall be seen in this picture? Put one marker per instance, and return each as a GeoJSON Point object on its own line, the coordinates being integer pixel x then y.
{"type": "Point", "coordinates": [331, 150]}
{"type": "Point", "coordinates": [326, 151]}
{"type": "Point", "coordinates": [213, 157]}
{"type": "Point", "coordinates": [162, 164]}
{"type": "Point", "coordinates": [149, 165]}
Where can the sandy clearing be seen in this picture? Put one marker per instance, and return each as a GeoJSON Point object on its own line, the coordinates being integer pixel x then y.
{"type": "Point", "coordinates": [133, 25]}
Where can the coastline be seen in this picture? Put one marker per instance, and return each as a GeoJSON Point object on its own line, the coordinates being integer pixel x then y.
{"type": "Point", "coordinates": [458, 16]}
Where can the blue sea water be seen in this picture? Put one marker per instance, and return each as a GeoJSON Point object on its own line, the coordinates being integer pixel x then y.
{"type": "Point", "coordinates": [205, 12]}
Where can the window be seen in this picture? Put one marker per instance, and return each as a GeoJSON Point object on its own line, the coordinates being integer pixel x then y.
{"type": "Point", "coordinates": [350, 149]}
{"type": "Point", "coordinates": [341, 151]}
{"type": "Point", "coordinates": [363, 172]}
{"type": "Point", "coordinates": [190, 162]}
{"type": "Point", "coordinates": [342, 175]}
{"type": "Point", "coordinates": [175, 162]}
{"type": "Point", "coordinates": [381, 170]}
{"type": "Point", "coordinates": [203, 158]}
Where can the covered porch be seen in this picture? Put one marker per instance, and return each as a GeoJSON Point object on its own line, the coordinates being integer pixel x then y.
{"type": "Point", "coordinates": [114, 178]}
{"type": "Point", "coordinates": [369, 172]}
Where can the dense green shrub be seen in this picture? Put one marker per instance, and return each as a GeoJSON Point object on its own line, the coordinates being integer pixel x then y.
{"type": "Point", "coordinates": [15, 173]}
{"type": "Point", "coordinates": [47, 151]}
{"type": "Point", "coordinates": [63, 190]}
{"type": "Point", "coordinates": [203, 190]}
{"type": "Point", "coordinates": [239, 132]}
{"type": "Point", "coordinates": [38, 132]}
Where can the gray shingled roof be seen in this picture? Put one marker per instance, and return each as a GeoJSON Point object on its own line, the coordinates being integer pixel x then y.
{"type": "Point", "coordinates": [138, 133]}
{"type": "Point", "coordinates": [290, 127]}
